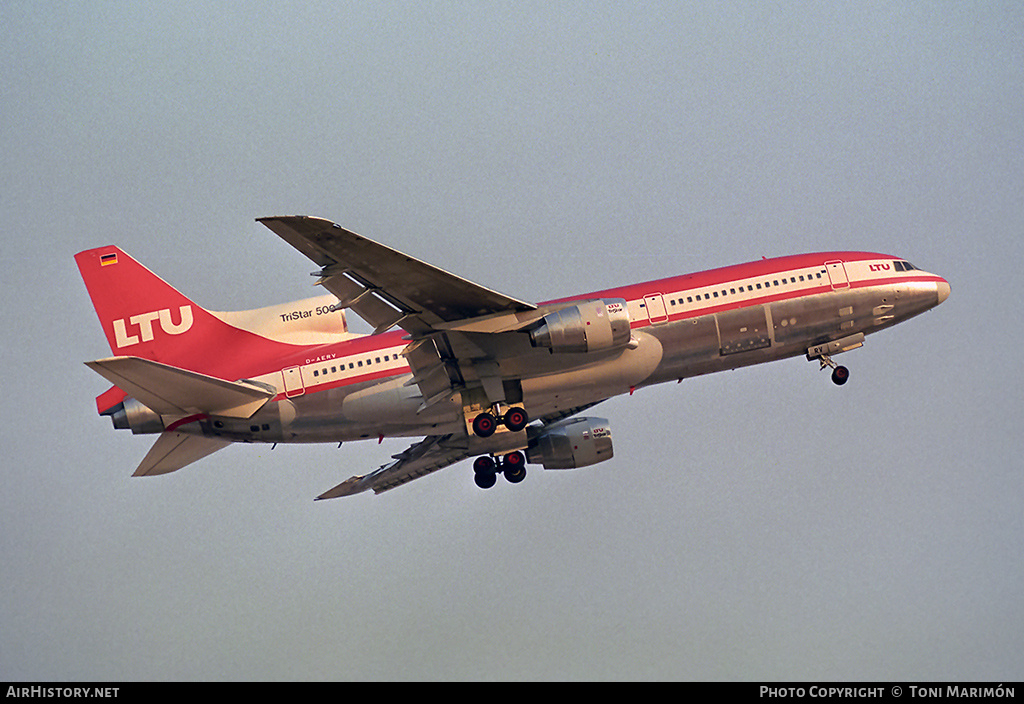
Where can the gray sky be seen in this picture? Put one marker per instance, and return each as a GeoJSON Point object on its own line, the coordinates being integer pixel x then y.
{"type": "Point", "coordinates": [754, 524]}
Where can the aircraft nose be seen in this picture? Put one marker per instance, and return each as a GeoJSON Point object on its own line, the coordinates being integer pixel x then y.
{"type": "Point", "coordinates": [943, 290]}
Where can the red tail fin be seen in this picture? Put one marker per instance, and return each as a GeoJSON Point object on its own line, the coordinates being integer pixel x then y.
{"type": "Point", "coordinates": [144, 316]}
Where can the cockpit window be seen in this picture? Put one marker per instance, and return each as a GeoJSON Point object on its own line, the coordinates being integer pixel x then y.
{"type": "Point", "coordinates": [903, 266]}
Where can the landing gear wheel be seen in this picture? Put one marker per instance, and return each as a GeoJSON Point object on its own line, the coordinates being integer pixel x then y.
{"type": "Point", "coordinates": [483, 465]}
{"type": "Point", "coordinates": [484, 425]}
{"type": "Point", "coordinates": [485, 480]}
{"type": "Point", "coordinates": [516, 419]}
{"type": "Point", "coordinates": [840, 375]}
{"type": "Point", "coordinates": [514, 467]}
{"type": "Point", "coordinates": [484, 472]}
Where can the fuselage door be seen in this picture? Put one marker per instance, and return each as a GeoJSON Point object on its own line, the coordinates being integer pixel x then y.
{"type": "Point", "coordinates": [293, 382]}
{"type": "Point", "coordinates": [655, 305]}
{"type": "Point", "coordinates": [837, 274]}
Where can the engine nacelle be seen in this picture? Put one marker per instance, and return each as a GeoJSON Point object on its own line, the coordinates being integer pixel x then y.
{"type": "Point", "coordinates": [132, 415]}
{"type": "Point", "coordinates": [572, 443]}
{"type": "Point", "coordinates": [587, 327]}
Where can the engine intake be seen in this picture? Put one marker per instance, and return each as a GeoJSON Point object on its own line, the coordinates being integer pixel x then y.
{"type": "Point", "coordinates": [572, 443]}
{"type": "Point", "coordinates": [587, 327]}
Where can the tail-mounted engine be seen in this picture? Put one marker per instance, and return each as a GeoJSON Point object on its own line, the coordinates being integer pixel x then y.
{"type": "Point", "coordinates": [572, 443]}
{"type": "Point", "coordinates": [587, 327]}
{"type": "Point", "coordinates": [132, 415]}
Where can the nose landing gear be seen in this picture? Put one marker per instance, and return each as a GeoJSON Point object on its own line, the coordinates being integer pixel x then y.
{"type": "Point", "coordinates": [823, 352]}
{"type": "Point", "coordinates": [840, 374]}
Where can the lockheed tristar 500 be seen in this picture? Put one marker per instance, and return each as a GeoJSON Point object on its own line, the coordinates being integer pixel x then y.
{"type": "Point", "coordinates": [473, 372]}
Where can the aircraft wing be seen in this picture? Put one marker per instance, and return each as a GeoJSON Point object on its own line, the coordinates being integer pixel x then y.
{"type": "Point", "coordinates": [445, 315]}
{"type": "Point", "coordinates": [384, 286]}
{"type": "Point", "coordinates": [432, 453]}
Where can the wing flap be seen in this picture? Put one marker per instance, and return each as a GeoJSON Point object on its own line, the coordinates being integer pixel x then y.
{"type": "Point", "coordinates": [169, 390]}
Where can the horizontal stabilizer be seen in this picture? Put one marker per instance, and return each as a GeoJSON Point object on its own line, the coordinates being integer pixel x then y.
{"type": "Point", "coordinates": [172, 451]}
{"type": "Point", "coordinates": [169, 390]}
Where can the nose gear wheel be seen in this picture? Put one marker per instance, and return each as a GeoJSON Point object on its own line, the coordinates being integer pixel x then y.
{"type": "Point", "coordinates": [840, 374]}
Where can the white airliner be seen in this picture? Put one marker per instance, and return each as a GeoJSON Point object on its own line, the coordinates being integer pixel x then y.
{"type": "Point", "coordinates": [474, 372]}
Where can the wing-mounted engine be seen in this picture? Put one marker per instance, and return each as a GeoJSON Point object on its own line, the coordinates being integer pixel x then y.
{"type": "Point", "coordinates": [592, 326]}
{"type": "Point", "coordinates": [571, 443]}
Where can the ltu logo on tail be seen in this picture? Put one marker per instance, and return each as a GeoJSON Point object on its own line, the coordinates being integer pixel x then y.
{"type": "Point", "coordinates": [144, 321]}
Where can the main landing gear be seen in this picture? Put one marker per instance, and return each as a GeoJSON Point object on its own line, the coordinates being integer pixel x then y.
{"type": "Point", "coordinates": [840, 374]}
{"type": "Point", "coordinates": [515, 419]}
{"type": "Point", "coordinates": [486, 468]}
{"type": "Point", "coordinates": [511, 464]}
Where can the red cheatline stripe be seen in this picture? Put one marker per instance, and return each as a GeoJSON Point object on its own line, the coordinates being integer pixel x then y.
{"type": "Point", "coordinates": [185, 421]}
